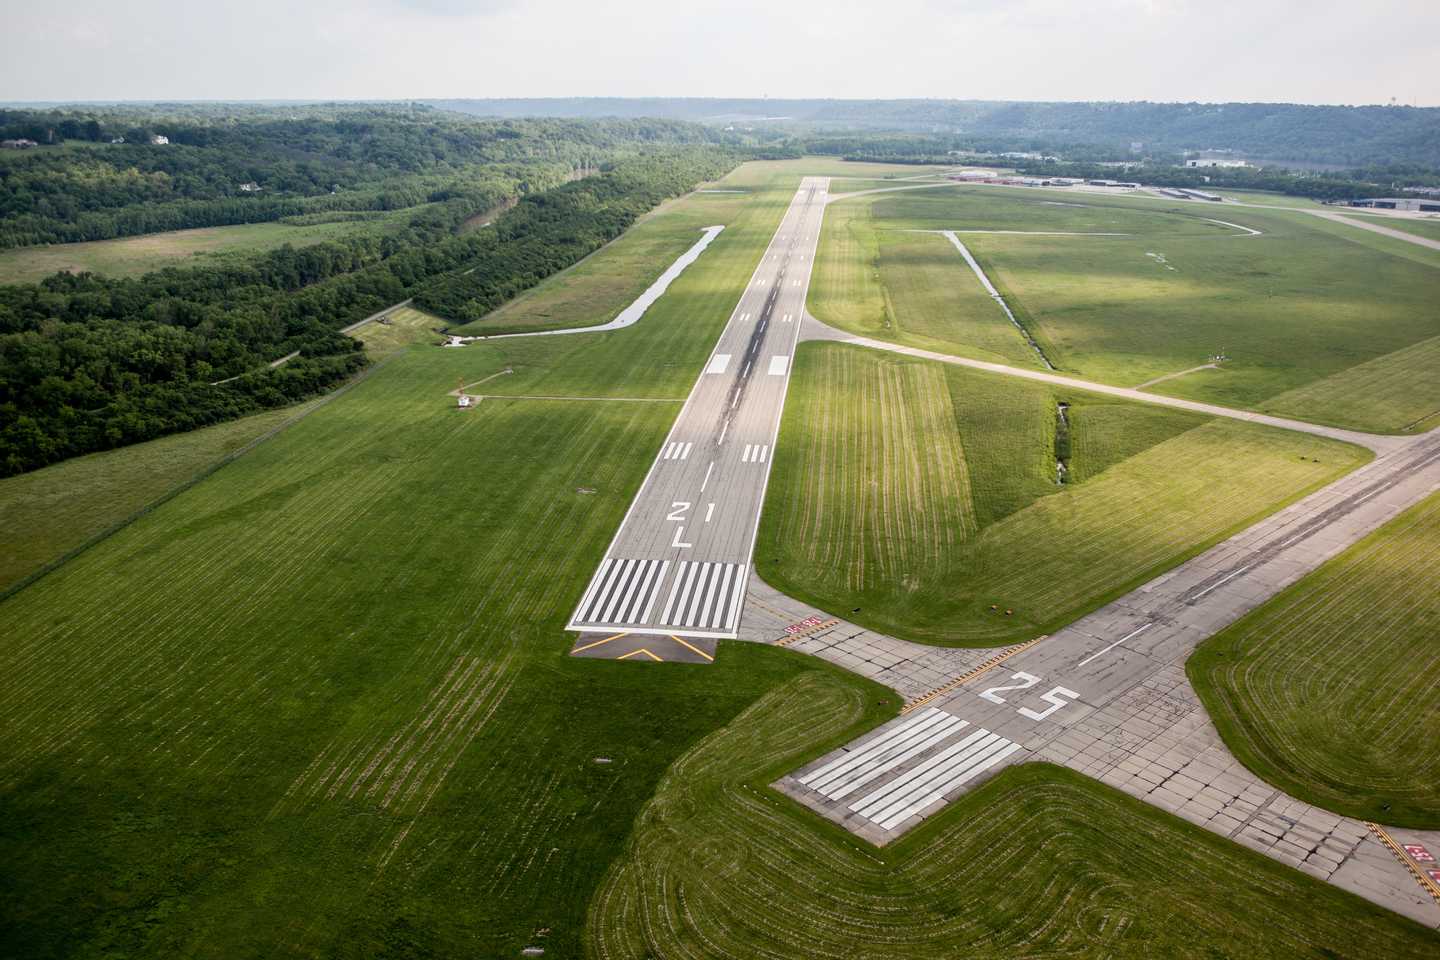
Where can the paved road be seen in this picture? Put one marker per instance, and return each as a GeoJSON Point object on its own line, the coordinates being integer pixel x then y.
{"type": "Point", "coordinates": [679, 562]}
{"type": "Point", "coordinates": [815, 330]}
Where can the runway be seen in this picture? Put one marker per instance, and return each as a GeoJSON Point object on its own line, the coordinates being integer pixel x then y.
{"type": "Point", "coordinates": [679, 563]}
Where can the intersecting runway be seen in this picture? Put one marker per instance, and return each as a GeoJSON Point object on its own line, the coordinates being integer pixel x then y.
{"type": "Point", "coordinates": [680, 560]}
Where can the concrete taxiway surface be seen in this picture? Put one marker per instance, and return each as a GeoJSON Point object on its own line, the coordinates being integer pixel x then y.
{"type": "Point", "coordinates": [1108, 696]}
{"type": "Point", "coordinates": [680, 560]}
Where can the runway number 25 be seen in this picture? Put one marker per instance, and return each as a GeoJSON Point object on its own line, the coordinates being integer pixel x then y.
{"type": "Point", "coordinates": [1055, 697]}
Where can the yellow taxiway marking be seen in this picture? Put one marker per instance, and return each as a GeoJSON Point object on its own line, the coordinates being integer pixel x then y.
{"type": "Point", "coordinates": [984, 668]}
{"type": "Point", "coordinates": [647, 653]}
{"type": "Point", "coordinates": [693, 649]}
{"type": "Point", "coordinates": [1426, 884]}
{"type": "Point", "coordinates": [598, 642]}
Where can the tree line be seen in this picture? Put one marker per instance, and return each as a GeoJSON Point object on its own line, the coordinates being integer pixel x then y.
{"type": "Point", "coordinates": [89, 363]}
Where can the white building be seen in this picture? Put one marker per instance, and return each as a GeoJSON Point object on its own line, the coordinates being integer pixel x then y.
{"type": "Point", "coordinates": [159, 139]}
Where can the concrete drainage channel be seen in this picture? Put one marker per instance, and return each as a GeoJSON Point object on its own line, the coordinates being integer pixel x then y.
{"type": "Point", "coordinates": [995, 295]}
{"type": "Point", "coordinates": [1062, 443]}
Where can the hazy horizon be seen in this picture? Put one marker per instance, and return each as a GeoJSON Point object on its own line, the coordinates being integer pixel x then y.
{"type": "Point", "coordinates": [1267, 51]}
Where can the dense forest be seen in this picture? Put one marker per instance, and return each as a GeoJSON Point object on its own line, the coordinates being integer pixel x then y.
{"type": "Point", "coordinates": [247, 165]}
{"type": "Point", "coordinates": [88, 362]}
{"type": "Point", "coordinates": [1346, 136]}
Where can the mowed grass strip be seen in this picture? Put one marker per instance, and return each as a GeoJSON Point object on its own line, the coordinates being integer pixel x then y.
{"type": "Point", "coordinates": [1331, 690]}
{"type": "Point", "coordinates": [319, 703]}
{"type": "Point", "coordinates": [1306, 301]}
{"type": "Point", "coordinates": [1155, 488]}
{"type": "Point", "coordinates": [1399, 390]}
{"type": "Point", "coordinates": [46, 513]}
{"type": "Point", "coordinates": [1038, 863]}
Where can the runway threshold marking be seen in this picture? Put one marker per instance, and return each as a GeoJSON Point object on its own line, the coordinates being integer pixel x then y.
{"type": "Point", "coordinates": [636, 653]}
{"type": "Point", "coordinates": [692, 648]}
{"type": "Point", "coordinates": [981, 670]}
{"type": "Point", "coordinates": [598, 642]}
{"type": "Point", "coordinates": [1426, 883]}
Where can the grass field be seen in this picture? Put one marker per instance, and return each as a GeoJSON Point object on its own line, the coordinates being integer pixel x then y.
{"type": "Point", "coordinates": [319, 705]}
{"type": "Point", "coordinates": [133, 256]}
{"type": "Point", "coordinates": [1037, 863]}
{"type": "Point", "coordinates": [910, 496]}
{"type": "Point", "coordinates": [1429, 228]}
{"type": "Point", "coordinates": [1268, 199]}
{"type": "Point", "coordinates": [406, 326]}
{"type": "Point", "coordinates": [47, 513]}
{"type": "Point", "coordinates": [1328, 691]}
{"type": "Point", "coordinates": [1305, 302]}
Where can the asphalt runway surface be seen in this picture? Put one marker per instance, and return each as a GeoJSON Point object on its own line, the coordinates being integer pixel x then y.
{"type": "Point", "coordinates": [679, 563]}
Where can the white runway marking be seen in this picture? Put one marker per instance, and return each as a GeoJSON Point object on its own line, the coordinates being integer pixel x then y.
{"type": "Point", "coordinates": [908, 794]}
{"type": "Point", "coordinates": [778, 365]}
{"type": "Point", "coordinates": [755, 453]}
{"type": "Point", "coordinates": [718, 363]}
{"type": "Point", "coordinates": [623, 590]}
{"type": "Point", "coordinates": [709, 512]}
{"type": "Point", "coordinates": [1192, 598]}
{"type": "Point", "coordinates": [704, 595]}
{"type": "Point", "coordinates": [706, 482]}
{"type": "Point", "coordinates": [1099, 653]}
{"type": "Point", "coordinates": [677, 450]}
{"type": "Point", "coordinates": [787, 319]}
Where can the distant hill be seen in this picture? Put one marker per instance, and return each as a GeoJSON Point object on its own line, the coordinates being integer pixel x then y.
{"type": "Point", "coordinates": [1349, 136]}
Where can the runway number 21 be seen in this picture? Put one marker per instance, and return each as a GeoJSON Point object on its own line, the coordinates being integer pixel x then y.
{"type": "Point", "coordinates": [1056, 696]}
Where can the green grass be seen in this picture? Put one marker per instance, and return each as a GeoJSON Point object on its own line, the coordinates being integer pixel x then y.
{"type": "Point", "coordinates": [1037, 863]}
{"type": "Point", "coordinates": [1400, 389]}
{"type": "Point", "coordinates": [910, 288]}
{"type": "Point", "coordinates": [406, 326]}
{"type": "Point", "coordinates": [910, 496]}
{"type": "Point", "coordinates": [47, 513]}
{"type": "Point", "coordinates": [318, 704]}
{"type": "Point", "coordinates": [1421, 228]}
{"type": "Point", "coordinates": [1265, 198]}
{"type": "Point", "coordinates": [133, 256]}
{"type": "Point", "coordinates": [1328, 690]}
{"type": "Point", "coordinates": [1305, 302]}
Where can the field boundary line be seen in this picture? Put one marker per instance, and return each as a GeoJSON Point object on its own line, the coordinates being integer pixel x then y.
{"type": "Point", "coordinates": [1426, 884]}
{"type": "Point", "coordinates": [184, 485]}
{"type": "Point", "coordinates": [964, 678]}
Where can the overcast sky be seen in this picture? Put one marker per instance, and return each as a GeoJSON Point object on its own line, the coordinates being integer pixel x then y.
{"type": "Point", "coordinates": [1310, 51]}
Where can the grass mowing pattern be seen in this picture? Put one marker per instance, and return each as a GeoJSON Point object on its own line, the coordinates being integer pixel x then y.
{"type": "Point", "coordinates": [1400, 390]}
{"type": "Point", "coordinates": [48, 512]}
{"type": "Point", "coordinates": [914, 506]}
{"type": "Point", "coordinates": [318, 704]}
{"type": "Point", "coordinates": [1328, 690]}
{"type": "Point", "coordinates": [1158, 487]}
{"type": "Point", "coordinates": [1037, 863]}
{"type": "Point", "coordinates": [1306, 301]}
{"type": "Point", "coordinates": [1428, 228]}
